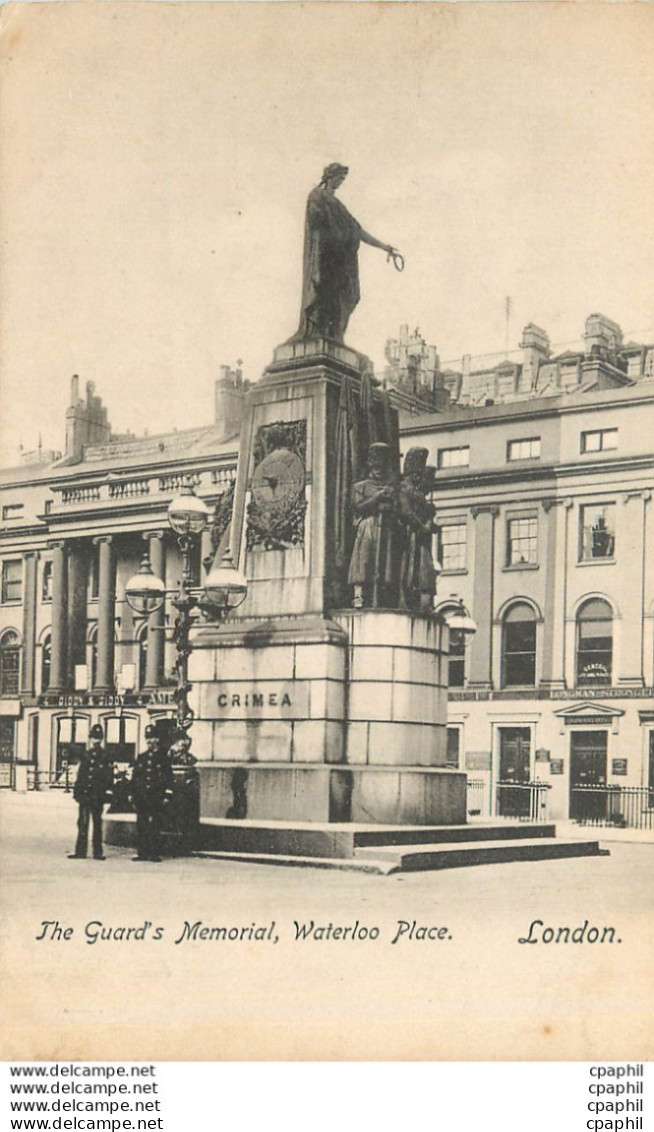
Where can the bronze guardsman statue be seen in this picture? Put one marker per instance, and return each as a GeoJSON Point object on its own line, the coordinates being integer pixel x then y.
{"type": "Point", "coordinates": [93, 787]}
{"type": "Point", "coordinates": [151, 790]}
{"type": "Point", "coordinates": [375, 506]}
{"type": "Point", "coordinates": [185, 808]}
{"type": "Point", "coordinates": [417, 570]}
{"type": "Point", "coordinates": [330, 274]}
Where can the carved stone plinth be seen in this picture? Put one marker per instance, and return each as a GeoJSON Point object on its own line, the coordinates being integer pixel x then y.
{"type": "Point", "coordinates": [315, 719]}
{"type": "Point", "coordinates": [290, 534]}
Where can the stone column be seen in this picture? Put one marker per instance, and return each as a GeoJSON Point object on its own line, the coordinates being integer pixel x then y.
{"type": "Point", "coordinates": [556, 578]}
{"type": "Point", "coordinates": [27, 676]}
{"type": "Point", "coordinates": [154, 665]}
{"type": "Point", "coordinates": [106, 614]}
{"type": "Point", "coordinates": [630, 553]}
{"type": "Point", "coordinates": [77, 598]}
{"type": "Point", "coordinates": [481, 649]}
{"type": "Point", "coordinates": [59, 642]}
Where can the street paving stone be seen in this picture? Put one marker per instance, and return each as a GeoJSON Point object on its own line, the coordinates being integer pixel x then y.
{"type": "Point", "coordinates": [477, 994]}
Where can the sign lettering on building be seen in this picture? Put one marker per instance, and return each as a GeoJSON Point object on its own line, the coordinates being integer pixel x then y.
{"type": "Point", "coordinates": [478, 760]}
{"type": "Point", "coordinates": [107, 699]}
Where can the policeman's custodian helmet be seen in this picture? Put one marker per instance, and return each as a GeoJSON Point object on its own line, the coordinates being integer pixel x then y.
{"type": "Point", "coordinates": [151, 731]}
{"type": "Point", "coordinates": [96, 732]}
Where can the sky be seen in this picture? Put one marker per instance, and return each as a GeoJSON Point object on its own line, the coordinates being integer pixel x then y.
{"type": "Point", "coordinates": [155, 162]}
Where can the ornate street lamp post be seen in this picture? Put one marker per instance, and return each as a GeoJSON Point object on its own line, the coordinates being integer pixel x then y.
{"type": "Point", "coordinates": [459, 620]}
{"type": "Point", "coordinates": [224, 589]}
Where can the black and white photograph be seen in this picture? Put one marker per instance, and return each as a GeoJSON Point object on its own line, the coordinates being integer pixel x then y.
{"type": "Point", "coordinates": [326, 540]}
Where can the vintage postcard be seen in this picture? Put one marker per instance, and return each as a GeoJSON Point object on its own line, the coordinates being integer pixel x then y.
{"type": "Point", "coordinates": [327, 552]}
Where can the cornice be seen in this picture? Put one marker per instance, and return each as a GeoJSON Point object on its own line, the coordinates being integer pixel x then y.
{"type": "Point", "coordinates": [553, 472]}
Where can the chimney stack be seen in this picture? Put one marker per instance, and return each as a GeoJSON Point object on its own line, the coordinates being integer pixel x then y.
{"type": "Point", "coordinates": [229, 400]}
{"type": "Point", "coordinates": [535, 344]}
{"type": "Point", "coordinates": [602, 335]}
{"type": "Point", "coordinates": [86, 421]}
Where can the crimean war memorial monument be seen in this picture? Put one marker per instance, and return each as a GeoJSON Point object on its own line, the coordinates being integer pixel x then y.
{"type": "Point", "coordinates": [320, 707]}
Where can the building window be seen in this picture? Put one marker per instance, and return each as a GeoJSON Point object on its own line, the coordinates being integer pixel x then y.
{"type": "Point", "coordinates": [72, 741]}
{"type": "Point", "coordinates": [519, 646]}
{"type": "Point", "coordinates": [12, 580]}
{"type": "Point", "coordinates": [9, 663]}
{"type": "Point", "coordinates": [453, 748]}
{"type": "Point", "coordinates": [12, 511]}
{"type": "Point", "coordinates": [46, 663]}
{"type": "Point", "coordinates": [93, 658]}
{"type": "Point", "coordinates": [121, 734]}
{"type": "Point", "coordinates": [597, 535]}
{"type": "Point", "coordinates": [594, 642]}
{"type": "Point", "coordinates": [528, 449]}
{"type": "Point", "coordinates": [452, 546]}
{"type": "Point", "coordinates": [454, 457]}
{"type": "Point", "coordinates": [46, 584]}
{"type": "Point", "coordinates": [600, 440]}
{"type": "Point", "coordinates": [522, 542]}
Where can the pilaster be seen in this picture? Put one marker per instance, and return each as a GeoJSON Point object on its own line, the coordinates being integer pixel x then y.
{"type": "Point", "coordinates": [556, 565]}
{"type": "Point", "coordinates": [630, 552]}
{"type": "Point", "coordinates": [481, 649]}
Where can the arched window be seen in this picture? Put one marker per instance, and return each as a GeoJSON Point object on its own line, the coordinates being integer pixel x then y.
{"type": "Point", "coordinates": [143, 655]}
{"type": "Point", "coordinates": [9, 663]}
{"type": "Point", "coordinates": [456, 663]}
{"type": "Point", "coordinates": [594, 642]}
{"type": "Point", "coordinates": [519, 646]}
{"type": "Point", "coordinates": [46, 662]}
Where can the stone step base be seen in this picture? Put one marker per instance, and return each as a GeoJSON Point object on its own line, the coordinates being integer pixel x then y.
{"type": "Point", "coordinates": [382, 849]}
{"type": "Point", "coordinates": [334, 839]}
{"type": "Point", "coordinates": [348, 864]}
{"type": "Point", "coordinates": [416, 858]}
{"type": "Point", "coordinates": [419, 858]}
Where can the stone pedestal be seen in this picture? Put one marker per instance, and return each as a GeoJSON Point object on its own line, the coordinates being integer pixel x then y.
{"type": "Point", "coordinates": [306, 711]}
{"type": "Point", "coordinates": [315, 719]}
{"type": "Point", "coordinates": [293, 414]}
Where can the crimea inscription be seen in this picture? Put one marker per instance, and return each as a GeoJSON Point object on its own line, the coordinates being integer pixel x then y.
{"type": "Point", "coordinates": [284, 700]}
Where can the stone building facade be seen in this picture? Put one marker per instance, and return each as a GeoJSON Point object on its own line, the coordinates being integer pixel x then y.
{"type": "Point", "coordinates": [74, 530]}
{"type": "Point", "coordinates": [544, 505]}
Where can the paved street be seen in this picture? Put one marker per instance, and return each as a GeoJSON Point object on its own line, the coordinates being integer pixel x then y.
{"type": "Point", "coordinates": [474, 992]}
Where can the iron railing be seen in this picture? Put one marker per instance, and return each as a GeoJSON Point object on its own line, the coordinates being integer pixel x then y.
{"type": "Point", "coordinates": [627, 807]}
{"type": "Point", "coordinates": [477, 798]}
{"type": "Point", "coordinates": [38, 779]}
{"type": "Point", "coordinates": [7, 774]}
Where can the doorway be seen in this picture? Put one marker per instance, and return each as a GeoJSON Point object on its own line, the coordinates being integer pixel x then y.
{"type": "Point", "coordinates": [72, 740]}
{"type": "Point", "coordinates": [7, 749]}
{"type": "Point", "coordinates": [513, 793]}
{"type": "Point", "coordinates": [588, 759]}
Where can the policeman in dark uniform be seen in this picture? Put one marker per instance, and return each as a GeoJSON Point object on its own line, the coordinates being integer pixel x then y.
{"type": "Point", "coordinates": [93, 787]}
{"type": "Point", "coordinates": [151, 788]}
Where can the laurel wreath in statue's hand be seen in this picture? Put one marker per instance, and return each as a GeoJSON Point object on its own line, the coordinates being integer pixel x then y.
{"type": "Point", "coordinates": [397, 258]}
